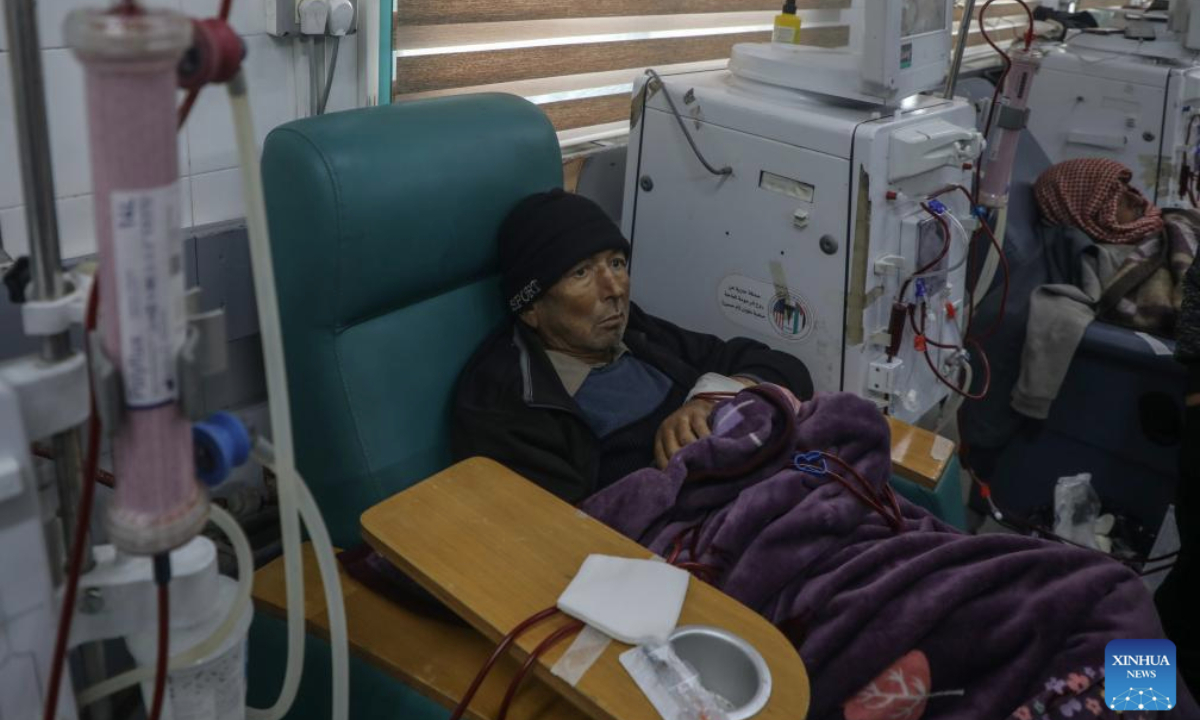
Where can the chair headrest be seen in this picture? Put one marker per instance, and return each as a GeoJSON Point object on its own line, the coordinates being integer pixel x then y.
{"type": "Point", "coordinates": [379, 208]}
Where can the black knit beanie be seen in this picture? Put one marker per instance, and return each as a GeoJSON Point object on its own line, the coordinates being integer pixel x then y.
{"type": "Point", "coordinates": [544, 236]}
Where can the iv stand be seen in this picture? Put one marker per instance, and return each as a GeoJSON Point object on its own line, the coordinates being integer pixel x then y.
{"type": "Point", "coordinates": [960, 48]}
{"type": "Point", "coordinates": [45, 259]}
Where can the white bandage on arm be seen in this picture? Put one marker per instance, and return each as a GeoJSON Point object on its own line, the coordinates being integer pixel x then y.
{"type": "Point", "coordinates": [714, 383]}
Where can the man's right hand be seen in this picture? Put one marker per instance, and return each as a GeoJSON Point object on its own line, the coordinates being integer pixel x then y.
{"type": "Point", "coordinates": [682, 428]}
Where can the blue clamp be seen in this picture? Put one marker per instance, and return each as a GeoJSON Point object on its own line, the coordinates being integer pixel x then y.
{"type": "Point", "coordinates": [920, 288]}
{"type": "Point", "coordinates": [937, 206]}
{"type": "Point", "coordinates": [221, 443]}
{"type": "Point", "coordinates": [980, 212]}
{"type": "Point", "coordinates": [812, 463]}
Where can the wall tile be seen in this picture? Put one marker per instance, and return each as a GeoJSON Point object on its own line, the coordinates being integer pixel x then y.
{"type": "Point", "coordinates": [76, 224]}
{"type": "Point", "coordinates": [76, 228]}
{"type": "Point", "coordinates": [210, 187]}
{"type": "Point", "coordinates": [13, 234]}
{"type": "Point", "coordinates": [217, 197]}
{"type": "Point", "coordinates": [270, 78]}
{"type": "Point", "coordinates": [66, 110]}
{"type": "Point", "coordinates": [185, 202]}
{"type": "Point", "coordinates": [245, 16]}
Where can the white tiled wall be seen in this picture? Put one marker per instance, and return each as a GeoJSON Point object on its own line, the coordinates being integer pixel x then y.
{"type": "Point", "coordinates": [210, 184]}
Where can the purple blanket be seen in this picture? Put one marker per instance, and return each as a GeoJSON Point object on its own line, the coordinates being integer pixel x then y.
{"type": "Point", "coordinates": [903, 619]}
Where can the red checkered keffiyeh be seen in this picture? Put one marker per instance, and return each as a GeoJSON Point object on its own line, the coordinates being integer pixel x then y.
{"type": "Point", "coordinates": [1086, 194]}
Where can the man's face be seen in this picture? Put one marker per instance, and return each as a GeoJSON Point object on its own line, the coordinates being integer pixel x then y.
{"type": "Point", "coordinates": [585, 313]}
{"type": "Point", "coordinates": [1131, 207]}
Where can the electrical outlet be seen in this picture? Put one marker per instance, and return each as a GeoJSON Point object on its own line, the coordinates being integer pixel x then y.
{"type": "Point", "coordinates": [283, 17]}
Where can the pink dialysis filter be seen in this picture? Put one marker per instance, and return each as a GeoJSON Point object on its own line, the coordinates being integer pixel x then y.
{"type": "Point", "coordinates": [1012, 115]}
{"type": "Point", "coordinates": [129, 57]}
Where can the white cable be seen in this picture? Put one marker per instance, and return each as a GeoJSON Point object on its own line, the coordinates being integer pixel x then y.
{"type": "Point", "coordinates": [291, 490]}
{"type": "Point", "coordinates": [245, 567]}
{"type": "Point", "coordinates": [264, 290]}
{"type": "Point", "coordinates": [331, 583]}
{"type": "Point", "coordinates": [264, 454]}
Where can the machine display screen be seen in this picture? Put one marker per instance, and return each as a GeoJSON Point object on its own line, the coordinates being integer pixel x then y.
{"type": "Point", "coordinates": [923, 16]}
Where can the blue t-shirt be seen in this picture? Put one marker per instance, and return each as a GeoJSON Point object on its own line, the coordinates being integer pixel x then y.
{"type": "Point", "coordinates": [618, 395]}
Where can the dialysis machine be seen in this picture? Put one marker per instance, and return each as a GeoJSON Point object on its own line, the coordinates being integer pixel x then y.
{"type": "Point", "coordinates": [1132, 99]}
{"type": "Point", "coordinates": [138, 390]}
{"type": "Point", "coordinates": [790, 200]}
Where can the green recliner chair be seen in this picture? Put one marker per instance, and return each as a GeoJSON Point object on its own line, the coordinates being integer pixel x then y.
{"type": "Point", "coordinates": [383, 228]}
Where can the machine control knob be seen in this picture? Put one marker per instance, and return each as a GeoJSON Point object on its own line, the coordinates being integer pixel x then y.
{"type": "Point", "coordinates": [646, 183]}
{"type": "Point", "coordinates": [829, 245]}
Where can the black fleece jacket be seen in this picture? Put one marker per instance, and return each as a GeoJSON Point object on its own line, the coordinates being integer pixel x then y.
{"type": "Point", "coordinates": [511, 407]}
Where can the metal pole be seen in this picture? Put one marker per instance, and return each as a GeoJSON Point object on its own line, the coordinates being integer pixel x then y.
{"type": "Point", "coordinates": [45, 258]}
{"type": "Point", "coordinates": [37, 175]}
{"type": "Point", "coordinates": [960, 48]}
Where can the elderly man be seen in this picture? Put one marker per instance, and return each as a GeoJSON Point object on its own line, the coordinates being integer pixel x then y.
{"type": "Point", "coordinates": [583, 387]}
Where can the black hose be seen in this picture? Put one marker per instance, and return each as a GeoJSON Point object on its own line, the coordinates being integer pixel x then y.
{"type": "Point", "coordinates": [682, 126]}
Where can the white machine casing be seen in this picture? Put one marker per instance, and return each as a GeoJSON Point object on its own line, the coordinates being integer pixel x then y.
{"type": "Point", "coordinates": [1115, 98]}
{"type": "Point", "coordinates": [800, 247]}
{"type": "Point", "coordinates": [28, 608]}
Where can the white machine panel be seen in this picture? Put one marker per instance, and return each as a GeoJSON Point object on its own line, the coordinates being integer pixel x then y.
{"type": "Point", "coordinates": [781, 251]}
{"type": "Point", "coordinates": [716, 253]}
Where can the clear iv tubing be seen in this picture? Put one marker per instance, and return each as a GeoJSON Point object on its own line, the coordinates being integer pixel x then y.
{"type": "Point", "coordinates": [245, 564]}
{"type": "Point", "coordinates": [294, 497]}
{"type": "Point", "coordinates": [962, 260]}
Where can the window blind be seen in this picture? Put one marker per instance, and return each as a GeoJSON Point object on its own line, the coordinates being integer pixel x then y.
{"type": "Point", "coordinates": [578, 60]}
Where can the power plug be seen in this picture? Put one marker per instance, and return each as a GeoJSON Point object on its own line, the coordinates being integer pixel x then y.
{"type": "Point", "coordinates": [283, 17]}
{"type": "Point", "coordinates": [341, 17]}
{"type": "Point", "coordinates": [314, 16]}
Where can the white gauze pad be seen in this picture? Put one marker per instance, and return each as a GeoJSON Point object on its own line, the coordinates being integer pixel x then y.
{"type": "Point", "coordinates": [635, 601]}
